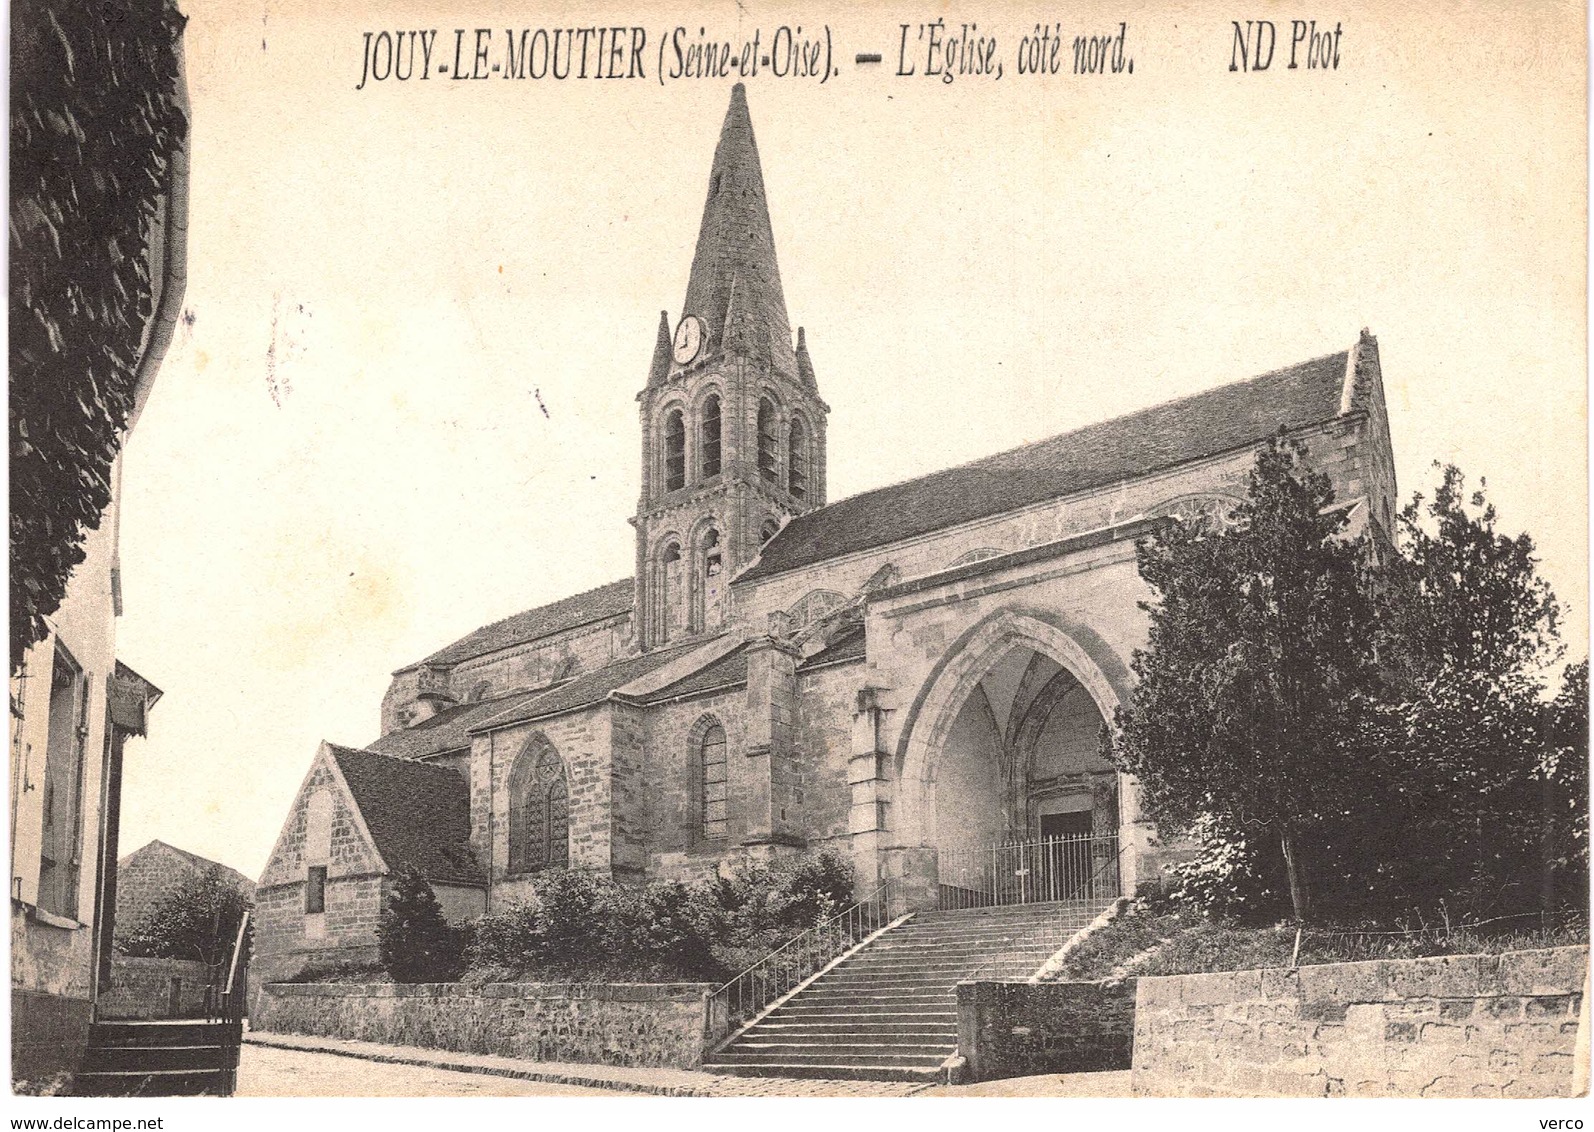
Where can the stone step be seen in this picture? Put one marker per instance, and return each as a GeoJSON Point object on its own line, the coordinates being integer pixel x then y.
{"type": "Point", "coordinates": [144, 1058]}
{"type": "Point", "coordinates": [151, 1083]}
{"type": "Point", "coordinates": [926, 1057]}
{"type": "Point", "coordinates": [830, 1072]}
{"type": "Point", "coordinates": [838, 1030]}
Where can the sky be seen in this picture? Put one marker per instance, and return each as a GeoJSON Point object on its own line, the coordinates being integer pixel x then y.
{"type": "Point", "coordinates": [403, 401]}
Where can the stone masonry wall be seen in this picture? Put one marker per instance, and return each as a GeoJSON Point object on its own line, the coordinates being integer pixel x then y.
{"type": "Point", "coordinates": [1452, 1026]}
{"type": "Point", "coordinates": [639, 1024]}
{"type": "Point", "coordinates": [1024, 1029]}
{"type": "Point", "coordinates": [154, 988]}
{"type": "Point", "coordinates": [287, 939]}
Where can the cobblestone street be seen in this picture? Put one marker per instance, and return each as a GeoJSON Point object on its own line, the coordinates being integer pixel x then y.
{"type": "Point", "coordinates": [290, 1065]}
{"type": "Point", "coordinates": [267, 1072]}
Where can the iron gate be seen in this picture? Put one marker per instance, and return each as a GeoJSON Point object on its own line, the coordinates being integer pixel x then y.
{"type": "Point", "coordinates": [1075, 866]}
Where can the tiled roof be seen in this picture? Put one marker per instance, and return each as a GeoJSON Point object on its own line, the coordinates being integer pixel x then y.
{"type": "Point", "coordinates": [448, 730]}
{"type": "Point", "coordinates": [545, 620]}
{"type": "Point", "coordinates": [586, 689]}
{"type": "Point", "coordinates": [1129, 447]}
{"type": "Point", "coordinates": [418, 813]}
{"type": "Point", "coordinates": [728, 671]}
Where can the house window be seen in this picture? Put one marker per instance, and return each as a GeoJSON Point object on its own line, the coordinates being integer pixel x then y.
{"type": "Point", "coordinates": [797, 461]}
{"type": "Point", "coordinates": [712, 776]}
{"type": "Point", "coordinates": [767, 442]}
{"type": "Point", "coordinates": [711, 437]}
{"type": "Point", "coordinates": [539, 810]}
{"type": "Point", "coordinates": [61, 846]}
{"type": "Point", "coordinates": [315, 890]}
{"type": "Point", "coordinates": [674, 451]}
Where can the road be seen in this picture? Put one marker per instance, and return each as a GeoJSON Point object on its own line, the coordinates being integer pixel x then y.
{"type": "Point", "coordinates": [267, 1072]}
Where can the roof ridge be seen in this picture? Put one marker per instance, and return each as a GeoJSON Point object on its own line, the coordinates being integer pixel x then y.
{"type": "Point", "coordinates": [1082, 428]}
{"type": "Point", "coordinates": [507, 618]}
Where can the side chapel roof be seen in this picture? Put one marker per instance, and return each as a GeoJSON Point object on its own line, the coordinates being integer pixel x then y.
{"type": "Point", "coordinates": [418, 813]}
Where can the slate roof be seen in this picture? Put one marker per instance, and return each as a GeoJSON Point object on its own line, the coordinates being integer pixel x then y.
{"type": "Point", "coordinates": [586, 689]}
{"type": "Point", "coordinates": [533, 624]}
{"type": "Point", "coordinates": [418, 813]}
{"type": "Point", "coordinates": [726, 672]}
{"type": "Point", "coordinates": [448, 730]}
{"type": "Point", "coordinates": [1163, 436]}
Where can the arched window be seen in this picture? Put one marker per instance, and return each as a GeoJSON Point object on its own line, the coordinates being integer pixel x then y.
{"type": "Point", "coordinates": [539, 810]}
{"type": "Point", "coordinates": [706, 583]}
{"type": "Point", "coordinates": [769, 530]}
{"type": "Point", "coordinates": [712, 783]}
{"type": "Point", "coordinates": [709, 443]}
{"type": "Point", "coordinates": [767, 442]}
{"type": "Point", "coordinates": [674, 451]}
{"type": "Point", "coordinates": [665, 615]}
{"type": "Point", "coordinates": [797, 461]}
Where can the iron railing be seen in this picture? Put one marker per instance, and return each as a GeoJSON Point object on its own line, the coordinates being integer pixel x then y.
{"type": "Point", "coordinates": [1095, 892]}
{"type": "Point", "coordinates": [1047, 869]}
{"type": "Point", "coordinates": [225, 1002]}
{"type": "Point", "coordinates": [780, 972]}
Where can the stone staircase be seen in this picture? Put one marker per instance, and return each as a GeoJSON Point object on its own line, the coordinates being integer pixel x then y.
{"type": "Point", "coordinates": [159, 1059]}
{"type": "Point", "coordinates": [889, 1010]}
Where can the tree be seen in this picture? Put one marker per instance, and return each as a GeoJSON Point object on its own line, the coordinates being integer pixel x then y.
{"type": "Point", "coordinates": [415, 942]}
{"type": "Point", "coordinates": [198, 919]}
{"type": "Point", "coordinates": [1468, 635]}
{"type": "Point", "coordinates": [95, 120]}
{"type": "Point", "coordinates": [1249, 692]}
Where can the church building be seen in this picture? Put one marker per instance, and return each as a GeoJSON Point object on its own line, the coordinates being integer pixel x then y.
{"type": "Point", "coordinates": [915, 677]}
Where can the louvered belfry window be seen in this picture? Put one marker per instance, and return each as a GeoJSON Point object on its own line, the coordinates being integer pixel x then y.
{"type": "Point", "coordinates": [674, 451]}
{"type": "Point", "coordinates": [711, 437]}
{"type": "Point", "coordinates": [767, 443]}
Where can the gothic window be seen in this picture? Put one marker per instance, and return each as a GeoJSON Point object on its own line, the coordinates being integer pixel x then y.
{"type": "Point", "coordinates": [674, 451]}
{"type": "Point", "coordinates": [767, 443]}
{"type": "Point", "coordinates": [539, 810]}
{"type": "Point", "coordinates": [769, 530]}
{"type": "Point", "coordinates": [710, 444]}
{"type": "Point", "coordinates": [797, 461]}
{"type": "Point", "coordinates": [712, 783]}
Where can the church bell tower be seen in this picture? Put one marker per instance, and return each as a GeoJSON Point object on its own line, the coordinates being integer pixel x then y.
{"type": "Point", "coordinates": [733, 428]}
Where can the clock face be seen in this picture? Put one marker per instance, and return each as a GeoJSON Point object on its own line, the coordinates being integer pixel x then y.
{"type": "Point", "coordinates": [688, 339]}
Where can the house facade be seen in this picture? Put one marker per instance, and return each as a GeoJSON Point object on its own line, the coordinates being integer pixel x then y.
{"type": "Point", "coordinates": [915, 677]}
{"type": "Point", "coordinates": [74, 706]}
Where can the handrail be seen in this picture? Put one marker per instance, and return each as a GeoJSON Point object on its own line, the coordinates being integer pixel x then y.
{"type": "Point", "coordinates": [751, 990]}
{"type": "Point", "coordinates": [237, 951]}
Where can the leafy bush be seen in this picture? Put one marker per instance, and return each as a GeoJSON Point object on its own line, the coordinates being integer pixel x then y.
{"type": "Point", "coordinates": [196, 920]}
{"type": "Point", "coordinates": [416, 944]}
{"type": "Point", "coordinates": [584, 927]}
{"type": "Point", "coordinates": [1224, 877]}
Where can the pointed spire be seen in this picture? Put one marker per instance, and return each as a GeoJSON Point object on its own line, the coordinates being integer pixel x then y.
{"type": "Point", "coordinates": [805, 364]}
{"type": "Point", "coordinates": [736, 249]}
{"type": "Point", "coordinates": [660, 369]}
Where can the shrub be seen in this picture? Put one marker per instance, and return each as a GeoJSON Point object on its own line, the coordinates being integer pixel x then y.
{"type": "Point", "coordinates": [196, 920]}
{"type": "Point", "coordinates": [580, 926]}
{"type": "Point", "coordinates": [1223, 877]}
{"type": "Point", "coordinates": [416, 944]}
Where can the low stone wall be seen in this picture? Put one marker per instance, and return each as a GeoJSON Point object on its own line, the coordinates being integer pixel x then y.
{"type": "Point", "coordinates": [1453, 1026]}
{"type": "Point", "coordinates": [615, 1024]}
{"type": "Point", "coordinates": [1022, 1029]}
{"type": "Point", "coordinates": [154, 988]}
